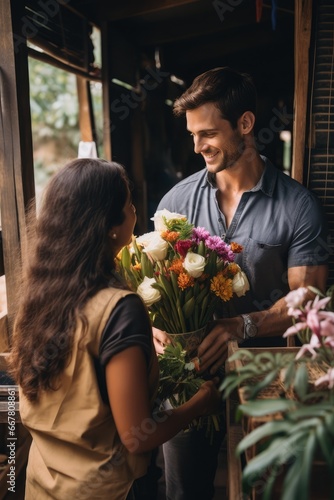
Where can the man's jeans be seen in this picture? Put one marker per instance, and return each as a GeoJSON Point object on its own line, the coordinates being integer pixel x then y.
{"type": "Point", "coordinates": [191, 463]}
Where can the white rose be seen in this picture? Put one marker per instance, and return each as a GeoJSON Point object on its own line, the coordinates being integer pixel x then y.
{"type": "Point", "coordinates": [240, 284]}
{"type": "Point", "coordinates": [145, 239]}
{"type": "Point", "coordinates": [194, 264]}
{"type": "Point", "coordinates": [149, 294]}
{"type": "Point", "coordinates": [157, 248]}
{"type": "Point", "coordinates": [153, 245]}
{"type": "Point", "coordinates": [158, 218]}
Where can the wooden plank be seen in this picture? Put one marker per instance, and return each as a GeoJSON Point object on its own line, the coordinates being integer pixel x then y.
{"type": "Point", "coordinates": [3, 361]}
{"type": "Point", "coordinates": [16, 161]}
{"type": "Point", "coordinates": [4, 338]}
{"type": "Point", "coordinates": [303, 22]}
{"type": "Point", "coordinates": [234, 434]}
{"type": "Point", "coordinates": [106, 78]}
{"type": "Point", "coordinates": [132, 8]}
{"type": "Point", "coordinates": [86, 115]}
{"type": "Point", "coordinates": [2, 267]}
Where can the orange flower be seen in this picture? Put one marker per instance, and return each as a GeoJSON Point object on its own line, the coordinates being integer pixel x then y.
{"type": "Point", "coordinates": [235, 247]}
{"type": "Point", "coordinates": [233, 269]}
{"type": "Point", "coordinates": [176, 266]}
{"type": "Point", "coordinates": [185, 281]}
{"type": "Point", "coordinates": [222, 287]}
{"type": "Point", "coordinates": [137, 267]}
{"type": "Point", "coordinates": [170, 236]}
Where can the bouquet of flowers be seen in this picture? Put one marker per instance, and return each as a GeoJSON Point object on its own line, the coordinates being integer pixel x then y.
{"type": "Point", "coordinates": [182, 273]}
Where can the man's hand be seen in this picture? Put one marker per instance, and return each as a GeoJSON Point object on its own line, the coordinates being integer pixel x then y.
{"type": "Point", "coordinates": [160, 340]}
{"type": "Point", "coordinates": [212, 352]}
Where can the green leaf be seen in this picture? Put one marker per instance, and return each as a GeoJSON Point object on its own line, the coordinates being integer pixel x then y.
{"type": "Point", "coordinates": [261, 432]}
{"type": "Point", "coordinates": [263, 460]}
{"type": "Point", "coordinates": [300, 383]}
{"type": "Point", "coordinates": [289, 374]}
{"type": "Point", "coordinates": [233, 383]}
{"type": "Point", "coordinates": [329, 422]}
{"type": "Point", "coordinates": [252, 392]}
{"type": "Point", "coordinates": [137, 252]}
{"type": "Point", "coordinates": [188, 308]}
{"type": "Point", "coordinates": [241, 354]}
{"type": "Point", "coordinates": [291, 481]}
{"type": "Point", "coordinates": [325, 443]}
{"type": "Point", "coordinates": [307, 411]}
{"type": "Point", "coordinates": [146, 266]}
{"type": "Point", "coordinates": [201, 250]}
{"type": "Point", "coordinates": [126, 258]}
{"type": "Point", "coordinates": [261, 408]}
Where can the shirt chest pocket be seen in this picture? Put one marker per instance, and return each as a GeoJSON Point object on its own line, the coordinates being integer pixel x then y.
{"type": "Point", "coordinates": [259, 256]}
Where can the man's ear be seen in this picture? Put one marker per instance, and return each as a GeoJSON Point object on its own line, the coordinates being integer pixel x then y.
{"type": "Point", "coordinates": [246, 122]}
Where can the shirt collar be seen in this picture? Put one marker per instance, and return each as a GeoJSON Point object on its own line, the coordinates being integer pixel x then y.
{"type": "Point", "coordinates": [266, 183]}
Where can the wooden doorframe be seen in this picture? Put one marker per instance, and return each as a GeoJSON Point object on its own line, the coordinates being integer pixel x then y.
{"type": "Point", "coordinates": [303, 28]}
{"type": "Point", "coordinates": [16, 151]}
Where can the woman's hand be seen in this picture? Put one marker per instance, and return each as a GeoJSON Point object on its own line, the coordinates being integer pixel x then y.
{"type": "Point", "coordinates": [160, 340]}
{"type": "Point", "coordinates": [208, 397]}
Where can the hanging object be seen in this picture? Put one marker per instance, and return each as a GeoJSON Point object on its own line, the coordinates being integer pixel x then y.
{"type": "Point", "coordinates": [273, 14]}
{"type": "Point", "coordinates": [259, 5]}
{"type": "Point", "coordinates": [87, 150]}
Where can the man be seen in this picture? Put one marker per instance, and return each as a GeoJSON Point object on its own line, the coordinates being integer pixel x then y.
{"type": "Point", "coordinates": [242, 197]}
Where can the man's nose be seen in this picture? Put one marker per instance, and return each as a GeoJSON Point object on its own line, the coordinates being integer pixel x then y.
{"type": "Point", "coordinates": [198, 145]}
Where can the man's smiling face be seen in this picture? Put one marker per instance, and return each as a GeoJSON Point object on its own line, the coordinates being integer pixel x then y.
{"type": "Point", "coordinates": [214, 138]}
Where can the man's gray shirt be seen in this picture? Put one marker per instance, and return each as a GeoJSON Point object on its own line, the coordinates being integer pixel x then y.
{"type": "Point", "coordinates": [279, 223]}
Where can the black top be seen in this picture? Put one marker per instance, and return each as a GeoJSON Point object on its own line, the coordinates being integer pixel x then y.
{"type": "Point", "coordinates": [128, 325]}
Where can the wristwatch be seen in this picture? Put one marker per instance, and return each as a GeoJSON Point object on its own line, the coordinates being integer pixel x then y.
{"type": "Point", "coordinates": [250, 328]}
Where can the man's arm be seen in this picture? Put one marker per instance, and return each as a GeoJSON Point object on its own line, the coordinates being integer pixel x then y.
{"type": "Point", "coordinates": [271, 322]}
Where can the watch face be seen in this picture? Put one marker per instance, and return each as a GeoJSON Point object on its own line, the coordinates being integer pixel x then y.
{"type": "Point", "coordinates": [251, 330]}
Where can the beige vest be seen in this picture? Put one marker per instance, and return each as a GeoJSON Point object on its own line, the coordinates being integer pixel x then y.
{"type": "Point", "coordinates": [76, 452]}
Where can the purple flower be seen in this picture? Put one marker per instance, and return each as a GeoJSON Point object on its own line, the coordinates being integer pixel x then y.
{"type": "Point", "coordinates": [221, 248]}
{"type": "Point", "coordinates": [200, 234]}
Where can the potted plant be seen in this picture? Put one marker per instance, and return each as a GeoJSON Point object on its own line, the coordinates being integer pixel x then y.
{"type": "Point", "coordinates": [295, 440]}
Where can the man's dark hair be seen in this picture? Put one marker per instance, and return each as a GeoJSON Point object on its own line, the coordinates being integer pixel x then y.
{"type": "Point", "coordinates": [232, 92]}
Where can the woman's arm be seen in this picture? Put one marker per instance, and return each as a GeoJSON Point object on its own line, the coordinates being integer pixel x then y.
{"type": "Point", "coordinates": [139, 430]}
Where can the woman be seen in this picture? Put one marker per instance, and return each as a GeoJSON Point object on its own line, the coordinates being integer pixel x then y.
{"type": "Point", "coordinates": [82, 347]}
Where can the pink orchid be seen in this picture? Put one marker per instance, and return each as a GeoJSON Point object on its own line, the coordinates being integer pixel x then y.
{"type": "Point", "coordinates": [314, 344]}
{"type": "Point", "coordinates": [328, 378]}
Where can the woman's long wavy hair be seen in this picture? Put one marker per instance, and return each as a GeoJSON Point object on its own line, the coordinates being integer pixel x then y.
{"type": "Point", "coordinates": [69, 260]}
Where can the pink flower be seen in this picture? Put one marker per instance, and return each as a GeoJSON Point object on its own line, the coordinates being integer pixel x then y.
{"type": "Point", "coordinates": [295, 329]}
{"type": "Point", "coordinates": [313, 321]}
{"type": "Point", "coordinates": [219, 246]}
{"type": "Point", "coordinates": [295, 298]}
{"type": "Point", "coordinates": [182, 247]}
{"type": "Point", "coordinates": [327, 325]}
{"type": "Point", "coordinates": [327, 378]}
{"type": "Point", "coordinates": [314, 344]}
{"type": "Point", "coordinates": [200, 234]}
